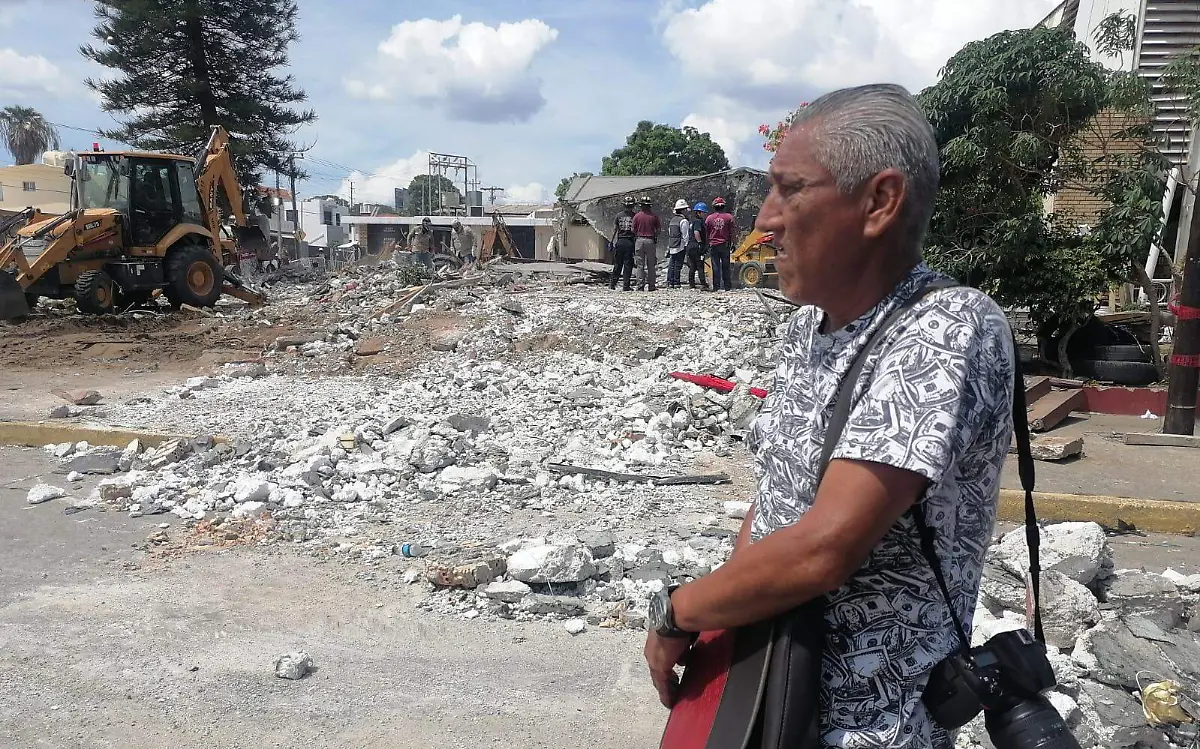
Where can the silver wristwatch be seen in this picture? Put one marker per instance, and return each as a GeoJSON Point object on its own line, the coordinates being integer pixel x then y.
{"type": "Point", "coordinates": [661, 615]}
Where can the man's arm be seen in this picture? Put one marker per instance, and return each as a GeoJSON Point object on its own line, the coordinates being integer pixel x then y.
{"type": "Point", "coordinates": [857, 503]}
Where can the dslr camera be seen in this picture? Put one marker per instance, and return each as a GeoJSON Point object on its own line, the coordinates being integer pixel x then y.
{"type": "Point", "coordinates": [1006, 677]}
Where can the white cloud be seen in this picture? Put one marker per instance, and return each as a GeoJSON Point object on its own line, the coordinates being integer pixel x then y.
{"type": "Point", "coordinates": [813, 45]}
{"type": "Point", "coordinates": [22, 75]}
{"type": "Point", "coordinates": [803, 48]}
{"type": "Point", "coordinates": [725, 123]}
{"type": "Point", "coordinates": [534, 192]}
{"type": "Point", "coordinates": [380, 186]}
{"type": "Point", "coordinates": [473, 71]}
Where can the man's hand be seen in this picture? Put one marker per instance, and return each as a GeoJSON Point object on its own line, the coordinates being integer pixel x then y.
{"type": "Point", "coordinates": [662, 655]}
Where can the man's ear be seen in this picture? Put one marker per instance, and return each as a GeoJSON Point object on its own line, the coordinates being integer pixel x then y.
{"type": "Point", "coordinates": [883, 200]}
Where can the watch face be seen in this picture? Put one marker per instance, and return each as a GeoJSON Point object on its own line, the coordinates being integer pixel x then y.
{"type": "Point", "coordinates": [656, 615]}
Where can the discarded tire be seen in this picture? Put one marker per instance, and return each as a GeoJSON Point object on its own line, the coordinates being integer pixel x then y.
{"type": "Point", "coordinates": [1121, 353]}
{"type": "Point", "coordinates": [1132, 374]}
{"type": "Point", "coordinates": [95, 292]}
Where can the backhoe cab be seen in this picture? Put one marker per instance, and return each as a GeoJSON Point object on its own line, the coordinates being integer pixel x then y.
{"type": "Point", "coordinates": [138, 222]}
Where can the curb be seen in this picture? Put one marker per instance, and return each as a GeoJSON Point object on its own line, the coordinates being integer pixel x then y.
{"type": "Point", "coordinates": [1149, 515]}
{"type": "Point", "coordinates": [40, 434]}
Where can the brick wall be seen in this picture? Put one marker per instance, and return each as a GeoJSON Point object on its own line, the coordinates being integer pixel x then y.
{"type": "Point", "coordinates": [1096, 140]}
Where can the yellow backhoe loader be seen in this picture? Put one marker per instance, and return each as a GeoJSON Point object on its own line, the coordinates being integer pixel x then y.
{"type": "Point", "coordinates": [138, 222]}
{"type": "Point", "coordinates": [752, 264]}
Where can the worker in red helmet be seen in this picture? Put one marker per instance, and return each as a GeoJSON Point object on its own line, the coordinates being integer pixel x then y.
{"type": "Point", "coordinates": [722, 229]}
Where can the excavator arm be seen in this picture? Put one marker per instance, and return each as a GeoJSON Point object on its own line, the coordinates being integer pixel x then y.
{"type": "Point", "coordinates": [216, 172]}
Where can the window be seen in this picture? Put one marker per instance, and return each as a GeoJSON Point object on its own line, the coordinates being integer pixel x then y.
{"type": "Point", "coordinates": [337, 218]}
{"type": "Point", "coordinates": [327, 218]}
{"type": "Point", "coordinates": [290, 216]}
{"type": "Point", "coordinates": [29, 186]}
{"type": "Point", "coordinates": [188, 197]}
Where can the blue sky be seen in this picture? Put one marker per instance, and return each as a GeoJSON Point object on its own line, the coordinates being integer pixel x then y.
{"type": "Point", "coordinates": [533, 90]}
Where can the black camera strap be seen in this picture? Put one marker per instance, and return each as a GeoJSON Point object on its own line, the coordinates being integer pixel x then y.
{"type": "Point", "coordinates": [1025, 467]}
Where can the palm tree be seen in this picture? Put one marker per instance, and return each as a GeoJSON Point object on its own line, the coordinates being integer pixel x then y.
{"type": "Point", "coordinates": [26, 133]}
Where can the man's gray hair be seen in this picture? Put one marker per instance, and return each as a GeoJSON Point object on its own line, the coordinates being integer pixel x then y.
{"type": "Point", "coordinates": [859, 132]}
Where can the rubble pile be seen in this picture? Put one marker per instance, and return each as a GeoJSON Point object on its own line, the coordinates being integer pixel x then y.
{"type": "Point", "coordinates": [1111, 635]}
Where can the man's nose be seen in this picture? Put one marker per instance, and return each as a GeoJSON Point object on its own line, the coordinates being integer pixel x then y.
{"type": "Point", "coordinates": [769, 217]}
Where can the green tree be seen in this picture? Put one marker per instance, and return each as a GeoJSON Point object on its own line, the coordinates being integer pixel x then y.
{"type": "Point", "coordinates": [1010, 113]}
{"type": "Point", "coordinates": [423, 192]}
{"type": "Point", "coordinates": [560, 192]}
{"type": "Point", "coordinates": [184, 66]}
{"type": "Point", "coordinates": [26, 133]}
{"type": "Point", "coordinates": [662, 150]}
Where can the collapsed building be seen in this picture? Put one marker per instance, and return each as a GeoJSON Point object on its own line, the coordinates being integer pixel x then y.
{"type": "Point", "coordinates": [587, 211]}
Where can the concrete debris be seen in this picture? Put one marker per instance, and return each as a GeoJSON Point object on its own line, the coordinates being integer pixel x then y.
{"type": "Point", "coordinates": [44, 493]}
{"type": "Point", "coordinates": [507, 591]}
{"type": "Point", "coordinates": [1049, 448]}
{"type": "Point", "coordinates": [60, 412]}
{"type": "Point", "coordinates": [100, 461]}
{"type": "Point", "coordinates": [575, 626]}
{"type": "Point", "coordinates": [245, 369]}
{"type": "Point", "coordinates": [79, 397]}
{"type": "Point", "coordinates": [737, 510]}
{"type": "Point", "coordinates": [1078, 550]}
{"type": "Point", "coordinates": [293, 666]}
{"type": "Point", "coordinates": [552, 563]}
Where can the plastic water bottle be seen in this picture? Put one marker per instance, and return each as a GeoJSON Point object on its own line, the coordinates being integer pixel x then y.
{"type": "Point", "coordinates": [413, 551]}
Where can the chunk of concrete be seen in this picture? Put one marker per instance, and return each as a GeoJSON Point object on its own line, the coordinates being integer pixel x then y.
{"type": "Point", "coordinates": [79, 397]}
{"type": "Point", "coordinates": [97, 462]}
{"type": "Point", "coordinates": [1078, 550]}
{"type": "Point", "coordinates": [507, 591]}
{"type": "Point", "coordinates": [1051, 449]}
{"type": "Point", "coordinates": [44, 493]}
{"type": "Point", "coordinates": [293, 666]}
{"type": "Point", "coordinates": [552, 563]}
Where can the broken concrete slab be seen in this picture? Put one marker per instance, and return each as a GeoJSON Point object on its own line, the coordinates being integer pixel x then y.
{"type": "Point", "coordinates": [102, 462]}
{"type": "Point", "coordinates": [370, 346]}
{"type": "Point", "coordinates": [1051, 449]}
{"type": "Point", "coordinates": [41, 493]}
{"type": "Point", "coordinates": [79, 397]}
{"type": "Point", "coordinates": [465, 569]}
{"type": "Point", "coordinates": [552, 563]}
{"type": "Point", "coordinates": [1053, 408]}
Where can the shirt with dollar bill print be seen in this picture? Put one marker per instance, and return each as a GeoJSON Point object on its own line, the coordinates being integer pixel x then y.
{"type": "Point", "coordinates": [934, 398]}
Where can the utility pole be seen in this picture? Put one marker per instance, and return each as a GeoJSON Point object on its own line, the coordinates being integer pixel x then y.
{"type": "Point", "coordinates": [278, 202]}
{"type": "Point", "coordinates": [295, 211]}
{"type": "Point", "coordinates": [1185, 353]}
{"type": "Point", "coordinates": [351, 196]}
{"type": "Point", "coordinates": [491, 191]}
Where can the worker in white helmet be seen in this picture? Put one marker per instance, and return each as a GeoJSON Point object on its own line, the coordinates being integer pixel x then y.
{"type": "Point", "coordinates": [678, 232]}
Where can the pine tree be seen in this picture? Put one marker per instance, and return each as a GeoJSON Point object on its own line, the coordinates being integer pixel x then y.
{"type": "Point", "coordinates": [186, 65]}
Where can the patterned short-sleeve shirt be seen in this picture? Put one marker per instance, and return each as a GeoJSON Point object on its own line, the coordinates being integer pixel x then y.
{"type": "Point", "coordinates": [935, 398]}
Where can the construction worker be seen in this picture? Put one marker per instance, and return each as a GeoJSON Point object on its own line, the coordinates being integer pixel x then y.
{"type": "Point", "coordinates": [721, 232]}
{"type": "Point", "coordinates": [622, 241]}
{"type": "Point", "coordinates": [646, 226]}
{"type": "Point", "coordinates": [420, 242]}
{"type": "Point", "coordinates": [678, 233]}
{"type": "Point", "coordinates": [462, 241]}
{"type": "Point", "coordinates": [697, 246]}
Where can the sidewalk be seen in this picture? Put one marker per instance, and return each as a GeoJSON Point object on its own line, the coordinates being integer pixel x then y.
{"type": "Point", "coordinates": [1110, 468]}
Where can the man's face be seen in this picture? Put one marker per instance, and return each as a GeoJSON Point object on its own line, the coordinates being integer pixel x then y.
{"type": "Point", "coordinates": [818, 231]}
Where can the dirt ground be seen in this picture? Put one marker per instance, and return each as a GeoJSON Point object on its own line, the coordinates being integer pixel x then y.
{"type": "Point", "coordinates": [103, 646]}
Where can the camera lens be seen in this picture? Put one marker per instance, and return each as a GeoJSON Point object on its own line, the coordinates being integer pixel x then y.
{"type": "Point", "coordinates": [1029, 724]}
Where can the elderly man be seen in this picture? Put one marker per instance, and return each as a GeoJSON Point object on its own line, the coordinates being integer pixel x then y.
{"type": "Point", "coordinates": [852, 193]}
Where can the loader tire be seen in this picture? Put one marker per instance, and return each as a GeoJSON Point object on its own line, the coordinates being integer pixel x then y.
{"type": "Point", "coordinates": [751, 275]}
{"type": "Point", "coordinates": [95, 293]}
{"type": "Point", "coordinates": [193, 276]}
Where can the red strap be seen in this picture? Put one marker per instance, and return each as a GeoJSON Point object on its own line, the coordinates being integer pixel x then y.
{"type": "Point", "coordinates": [1189, 362]}
{"type": "Point", "coordinates": [715, 383]}
{"type": "Point", "coordinates": [1183, 312]}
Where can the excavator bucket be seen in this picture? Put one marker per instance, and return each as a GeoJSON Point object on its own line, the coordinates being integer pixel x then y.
{"type": "Point", "coordinates": [251, 239]}
{"type": "Point", "coordinates": [13, 303]}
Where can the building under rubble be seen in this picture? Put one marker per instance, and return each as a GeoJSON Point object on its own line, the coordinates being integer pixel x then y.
{"type": "Point", "coordinates": [586, 214]}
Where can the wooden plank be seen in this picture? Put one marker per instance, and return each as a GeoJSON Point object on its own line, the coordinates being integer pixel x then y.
{"type": "Point", "coordinates": [1059, 382]}
{"type": "Point", "coordinates": [1035, 389]}
{"type": "Point", "coordinates": [1162, 440]}
{"type": "Point", "coordinates": [1050, 410]}
{"type": "Point", "coordinates": [716, 478]}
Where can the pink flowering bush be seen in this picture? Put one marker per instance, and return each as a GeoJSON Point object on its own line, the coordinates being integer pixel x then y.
{"type": "Point", "coordinates": [775, 135]}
